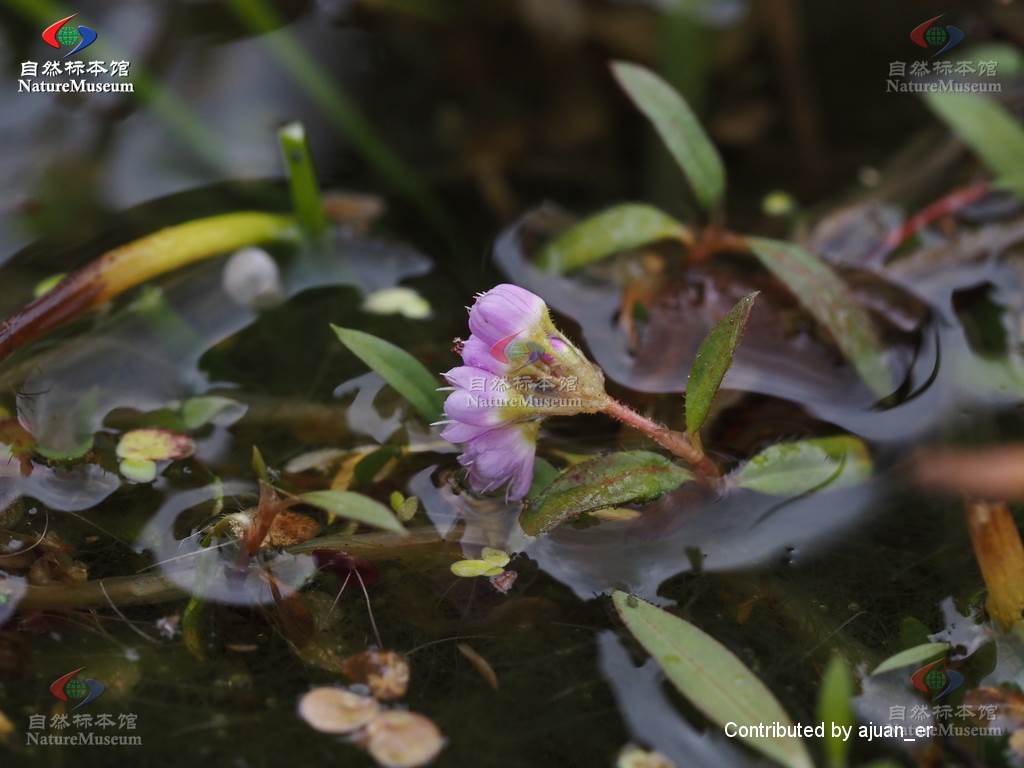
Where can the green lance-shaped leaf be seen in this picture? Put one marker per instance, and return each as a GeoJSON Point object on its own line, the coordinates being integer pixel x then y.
{"type": "Point", "coordinates": [199, 411]}
{"type": "Point", "coordinates": [713, 359]}
{"type": "Point", "coordinates": [354, 506]}
{"type": "Point", "coordinates": [611, 231]}
{"type": "Point", "coordinates": [834, 708]}
{"type": "Point", "coordinates": [790, 469]}
{"type": "Point", "coordinates": [405, 373]}
{"type": "Point", "coordinates": [605, 481]}
{"type": "Point", "coordinates": [711, 677]}
{"type": "Point", "coordinates": [826, 297]}
{"type": "Point", "coordinates": [989, 129]}
{"type": "Point", "coordinates": [678, 127]}
{"type": "Point", "coordinates": [915, 656]}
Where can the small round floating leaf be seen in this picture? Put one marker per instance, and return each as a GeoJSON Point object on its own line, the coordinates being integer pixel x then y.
{"type": "Point", "coordinates": [335, 710]}
{"type": "Point", "coordinates": [154, 445]}
{"type": "Point", "coordinates": [399, 739]}
{"type": "Point", "coordinates": [497, 557]}
{"type": "Point", "coordinates": [138, 470]}
{"type": "Point", "coordinates": [497, 570]}
{"type": "Point", "coordinates": [470, 569]}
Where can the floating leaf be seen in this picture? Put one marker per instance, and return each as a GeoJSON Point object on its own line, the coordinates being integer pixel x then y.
{"type": "Point", "coordinates": [710, 677]}
{"type": "Point", "coordinates": [386, 673]}
{"type": "Point", "coordinates": [405, 373]}
{"type": "Point", "coordinates": [138, 470]}
{"type": "Point", "coordinates": [335, 710]}
{"type": "Point", "coordinates": [989, 129]}
{"type": "Point", "coordinates": [917, 655]}
{"type": "Point", "coordinates": [678, 127]}
{"type": "Point", "coordinates": [616, 229]}
{"type": "Point", "coordinates": [605, 481]}
{"type": "Point", "coordinates": [790, 469]}
{"type": "Point", "coordinates": [199, 411]}
{"type": "Point", "coordinates": [713, 359]}
{"type": "Point", "coordinates": [402, 739]}
{"type": "Point", "coordinates": [826, 297]}
{"type": "Point", "coordinates": [470, 569]}
{"type": "Point", "coordinates": [834, 707]}
{"type": "Point", "coordinates": [154, 445]}
{"type": "Point", "coordinates": [354, 506]}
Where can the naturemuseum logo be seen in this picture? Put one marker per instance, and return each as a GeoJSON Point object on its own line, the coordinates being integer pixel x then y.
{"type": "Point", "coordinates": [61, 35]}
{"type": "Point", "coordinates": [68, 75]}
{"type": "Point", "coordinates": [71, 687]}
{"type": "Point", "coordinates": [935, 37]}
{"type": "Point", "coordinates": [937, 679]}
{"type": "Point", "coordinates": [935, 75]}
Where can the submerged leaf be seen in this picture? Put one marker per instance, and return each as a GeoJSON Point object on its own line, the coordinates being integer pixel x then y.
{"type": "Point", "coordinates": [989, 129]}
{"type": "Point", "coordinates": [834, 708]}
{"type": "Point", "coordinates": [678, 127]}
{"type": "Point", "coordinates": [714, 356]}
{"type": "Point", "coordinates": [605, 481]}
{"type": "Point", "coordinates": [710, 677]}
{"type": "Point", "coordinates": [405, 373]}
{"type": "Point", "coordinates": [826, 297]}
{"type": "Point", "coordinates": [616, 229]}
{"type": "Point", "coordinates": [919, 654]}
{"type": "Point", "coordinates": [354, 506]}
{"type": "Point", "coordinates": [790, 469]}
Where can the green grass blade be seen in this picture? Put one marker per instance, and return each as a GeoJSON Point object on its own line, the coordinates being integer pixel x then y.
{"type": "Point", "coordinates": [354, 506]}
{"type": "Point", "coordinates": [305, 190]}
{"type": "Point", "coordinates": [714, 356]}
{"type": "Point", "coordinates": [405, 373]}
{"type": "Point", "coordinates": [826, 297]}
{"type": "Point", "coordinates": [678, 127]}
{"type": "Point", "coordinates": [611, 231]}
{"type": "Point", "coordinates": [834, 709]}
{"type": "Point", "coordinates": [711, 677]}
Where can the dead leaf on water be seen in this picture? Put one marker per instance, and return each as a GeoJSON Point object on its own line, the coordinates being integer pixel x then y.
{"type": "Point", "coordinates": [399, 739]}
{"type": "Point", "coordinates": [385, 672]}
{"type": "Point", "coordinates": [335, 710]}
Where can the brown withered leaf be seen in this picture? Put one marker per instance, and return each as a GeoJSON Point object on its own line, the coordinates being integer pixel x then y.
{"type": "Point", "coordinates": [290, 528]}
{"type": "Point", "coordinates": [385, 672]}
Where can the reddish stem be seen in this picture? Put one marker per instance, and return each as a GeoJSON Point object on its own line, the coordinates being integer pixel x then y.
{"type": "Point", "coordinates": [676, 442]}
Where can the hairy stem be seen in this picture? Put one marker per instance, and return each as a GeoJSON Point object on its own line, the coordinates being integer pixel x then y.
{"type": "Point", "coordinates": [676, 442]}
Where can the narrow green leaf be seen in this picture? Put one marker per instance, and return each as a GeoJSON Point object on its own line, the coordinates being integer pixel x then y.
{"type": "Point", "coordinates": [354, 506]}
{"type": "Point", "coordinates": [989, 129]}
{"type": "Point", "coordinates": [710, 677]}
{"type": "Point", "coordinates": [198, 411]}
{"type": "Point", "coordinates": [713, 359]}
{"type": "Point", "coordinates": [917, 655]}
{"type": "Point", "coordinates": [259, 465]}
{"type": "Point", "coordinates": [790, 469]}
{"type": "Point", "coordinates": [405, 373]}
{"type": "Point", "coordinates": [678, 127]}
{"type": "Point", "coordinates": [605, 481]}
{"type": "Point", "coordinates": [611, 231]}
{"type": "Point", "coordinates": [825, 296]}
{"type": "Point", "coordinates": [834, 708]}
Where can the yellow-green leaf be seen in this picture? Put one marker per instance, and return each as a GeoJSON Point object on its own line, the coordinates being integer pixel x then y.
{"type": "Point", "coordinates": [824, 295]}
{"type": "Point", "coordinates": [917, 655]}
{"type": "Point", "coordinates": [710, 677]}
{"type": "Point", "coordinates": [834, 707]}
{"type": "Point", "coordinates": [713, 359]}
{"type": "Point", "coordinates": [616, 229]}
{"type": "Point", "coordinates": [405, 373]}
{"type": "Point", "coordinates": [790, 469]}
{"type": "Point", "coordinates": [354, 506]}
{"type": "Point", "coordinates": [678, 127]}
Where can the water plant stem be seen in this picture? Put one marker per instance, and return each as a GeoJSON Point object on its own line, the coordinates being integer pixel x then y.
{"type": "Point", "coordinates": [302, 181]}
{"type": "Point", "coordinates": [678, 443]}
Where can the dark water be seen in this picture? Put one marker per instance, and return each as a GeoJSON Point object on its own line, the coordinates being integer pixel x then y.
{"type": "Point", "coordinates": [783, 584]}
